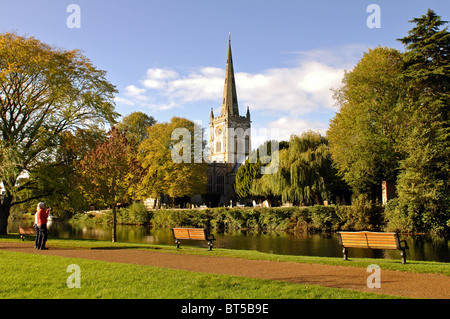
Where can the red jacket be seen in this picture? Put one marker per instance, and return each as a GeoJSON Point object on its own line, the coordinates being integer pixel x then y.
{"type": "Point", "coordinates": [42, 216]}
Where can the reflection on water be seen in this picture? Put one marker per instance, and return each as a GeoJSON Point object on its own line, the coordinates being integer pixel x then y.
{"type": "Point", "coordinates": [421, 247]}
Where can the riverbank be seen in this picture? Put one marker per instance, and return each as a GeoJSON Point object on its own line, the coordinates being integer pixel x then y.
{"type": "Point", "coordinates": [316, 218]}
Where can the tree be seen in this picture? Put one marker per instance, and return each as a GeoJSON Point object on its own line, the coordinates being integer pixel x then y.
{"type": "Point", "coordinates": [136, 126]}
{"type": "Point", "coordinates": [44, 91]}
{"type": "Point", "coordinates": [251, 170]}
{"type": "Point", "coordinates": [364, 133]}
{"type": "Point", "coordinates": [305, 173]}
{"type": "Point", "coordinates": [423, 182]}
{"type": "Point", "coordinates": [57, 182]}
{"type": "Point", "coordinates": [166, 174]}
{"type": "Point", "coordinates": [109, 171]}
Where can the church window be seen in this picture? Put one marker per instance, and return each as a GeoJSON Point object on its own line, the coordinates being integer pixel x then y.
{"type": "Point", "coordinates": [218, 147]}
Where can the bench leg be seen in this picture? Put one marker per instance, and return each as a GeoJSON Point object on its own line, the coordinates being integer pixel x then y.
{"type": "Point", "coordinates": [403, 254]}
{"type": "Point", "coordinates": [345, 253]}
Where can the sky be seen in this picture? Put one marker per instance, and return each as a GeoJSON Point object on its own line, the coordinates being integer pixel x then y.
{"type": "Point", "coordinates": [168, 57]}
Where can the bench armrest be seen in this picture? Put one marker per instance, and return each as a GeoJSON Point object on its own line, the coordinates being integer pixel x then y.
{"type": "Point", "coordinates": [405, 245]}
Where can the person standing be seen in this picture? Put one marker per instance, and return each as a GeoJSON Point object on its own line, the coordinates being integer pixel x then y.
{"type": "Point", "coordinates": [36, 227]}
{"type": "Point", "coordinates": [42, 217]}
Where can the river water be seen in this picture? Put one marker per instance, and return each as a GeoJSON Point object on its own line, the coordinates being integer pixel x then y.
{"type": "Point", "coordinates": [420, 247]}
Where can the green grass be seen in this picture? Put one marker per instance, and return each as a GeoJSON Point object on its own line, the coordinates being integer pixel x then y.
{"type": "Point", "coordinates": [42, 276]}
{"type": "Point", "coordinates": [30, 276]}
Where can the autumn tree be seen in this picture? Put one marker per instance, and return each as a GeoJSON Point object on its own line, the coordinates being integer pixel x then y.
{"type": "Point", "coordinates": [172, 158]}
{"type": "Point", "coordinates": [44, 91]}
{"type": "Point", "coordinates": [109, 171]}
{"type": "Point", "coordinates": [57, 182]}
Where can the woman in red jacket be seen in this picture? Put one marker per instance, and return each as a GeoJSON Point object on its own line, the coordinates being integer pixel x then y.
{"type": "Point", "coordinates": [41, 221]}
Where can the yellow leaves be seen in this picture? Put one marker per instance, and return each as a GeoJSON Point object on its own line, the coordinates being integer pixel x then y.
{"type": "Point", "coordinates": [163, 174]}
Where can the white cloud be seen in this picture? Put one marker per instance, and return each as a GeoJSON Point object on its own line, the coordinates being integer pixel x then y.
{"type": "Point", "coordinates": [121, 100]}
{"type": "Point", "coordinates": [287, 126]}
{"type": "Point", "coordinates": [203, 84]}
{"type": "Point", "coordinates": [299, 90]}
{"type": "Point", "coordinates": [283, 93]}
{"type": "Point", "coordinates": [156, 78]}
{"type": "Point", "coordinates": [132, 90]}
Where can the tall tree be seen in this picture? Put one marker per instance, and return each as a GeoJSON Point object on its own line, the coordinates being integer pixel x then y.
{"type": "Point", "coordinates": [423, 183]}
{"type": "Point", "coordinates": [173, 165]}
{"type": "Point", "coordinates": [44, 91]}
{"type": "Point", "coordinates": [109, 171]}
{"type": "Point", "coordinates": [364, 133]}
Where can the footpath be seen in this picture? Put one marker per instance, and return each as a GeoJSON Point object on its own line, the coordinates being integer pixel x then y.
{"type": "Point", "coordinates": [396, 283]}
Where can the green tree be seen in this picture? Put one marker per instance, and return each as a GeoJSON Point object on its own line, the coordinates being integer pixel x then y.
{"type": "Point", "coordinates": [136, 125]}
{"type": "Point", "coordinates": [423, 182]}
{"type": "Point", "coordinates": [251, 170]}
{"type": "Point", "coordinates": [161, 154]}
{"type": "Point", "coordinates": [364, 133]}
{"type": "Point", "coordinates": [109, 171]}
{"type": "Point", "coordinates": [305, 172]}
{"type": "Point", "coordinates": [44, 91]}
{"type": "Point", "coordinates": [57, 182]}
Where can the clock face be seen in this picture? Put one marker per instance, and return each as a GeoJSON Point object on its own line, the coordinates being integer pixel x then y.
{"type": "Point", "coordinates": [218, 130]}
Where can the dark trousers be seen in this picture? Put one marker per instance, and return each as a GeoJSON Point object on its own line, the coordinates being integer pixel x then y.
{"type": "Point", "coordinates": [42, 236]}
{"type": "Point", "coordinates": [36, 241]}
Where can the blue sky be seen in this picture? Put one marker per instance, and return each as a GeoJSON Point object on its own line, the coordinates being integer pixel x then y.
{"type": "Point", "coordinates": [167, 58]}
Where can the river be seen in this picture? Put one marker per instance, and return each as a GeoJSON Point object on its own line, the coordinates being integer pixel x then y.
{"type": "Point", "coordinates": [421, 247]}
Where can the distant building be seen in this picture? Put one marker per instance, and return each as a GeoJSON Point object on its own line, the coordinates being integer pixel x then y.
{"type": "Point", "coordinates": [230, 140]}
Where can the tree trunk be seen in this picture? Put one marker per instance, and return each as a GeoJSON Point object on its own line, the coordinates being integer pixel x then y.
{"type": "Point", "coordinates": [5, 207]}
{"type": "Point", "coordinates": [114, 233]}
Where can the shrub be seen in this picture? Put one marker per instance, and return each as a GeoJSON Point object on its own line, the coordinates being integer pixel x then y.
{"type": "Point", "coordinates": [399, 217]}
{"type": "Point", "coordinates": [363, 214]}
{"type": "Point", "coordinates": [138, 214]}
{"type": "Point", "coordinates": [324, 218]}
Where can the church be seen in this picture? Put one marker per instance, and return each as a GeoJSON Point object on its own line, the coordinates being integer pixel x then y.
{"type": "Point", "coordinates": [229, 142]}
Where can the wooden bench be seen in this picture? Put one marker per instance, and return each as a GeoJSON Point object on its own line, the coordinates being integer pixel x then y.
{"type": "Point", "coordinates": [24, 231]}
{"type": "Point", "coordinates": [192, 234]}
{"type": "Point", "coordinates": [372, 240]}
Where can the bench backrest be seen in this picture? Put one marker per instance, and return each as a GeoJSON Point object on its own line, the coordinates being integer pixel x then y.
{"type": "Point", "coordinates": [190, 233]}
{"type": "Point", "coordinates": [27, 230]}
{"type": "Point", "coordinates": [372, 240]}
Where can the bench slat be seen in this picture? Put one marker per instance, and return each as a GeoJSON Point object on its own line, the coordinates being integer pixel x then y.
{"type": "Point", "coordinates": [181, 233]}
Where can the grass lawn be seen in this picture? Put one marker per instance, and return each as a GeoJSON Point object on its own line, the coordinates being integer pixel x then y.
{"type": "Point", "coordinates": [42, 276]}
{"type": "Point", "coordinates": [32, 276]}
{"type": "Point", "coordinates": [390, 264]}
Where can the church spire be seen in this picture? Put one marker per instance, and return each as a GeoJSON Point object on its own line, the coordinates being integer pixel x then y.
{"type": "Point", "coordinates": [229, 102]}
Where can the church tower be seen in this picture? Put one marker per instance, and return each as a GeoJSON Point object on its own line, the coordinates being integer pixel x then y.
{"type": "Point", "coordinates": [230, 138]}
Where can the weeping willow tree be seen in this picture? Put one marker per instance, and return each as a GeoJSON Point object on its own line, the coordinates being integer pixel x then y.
{"type": "Point", "coordinates": [305, 174]}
